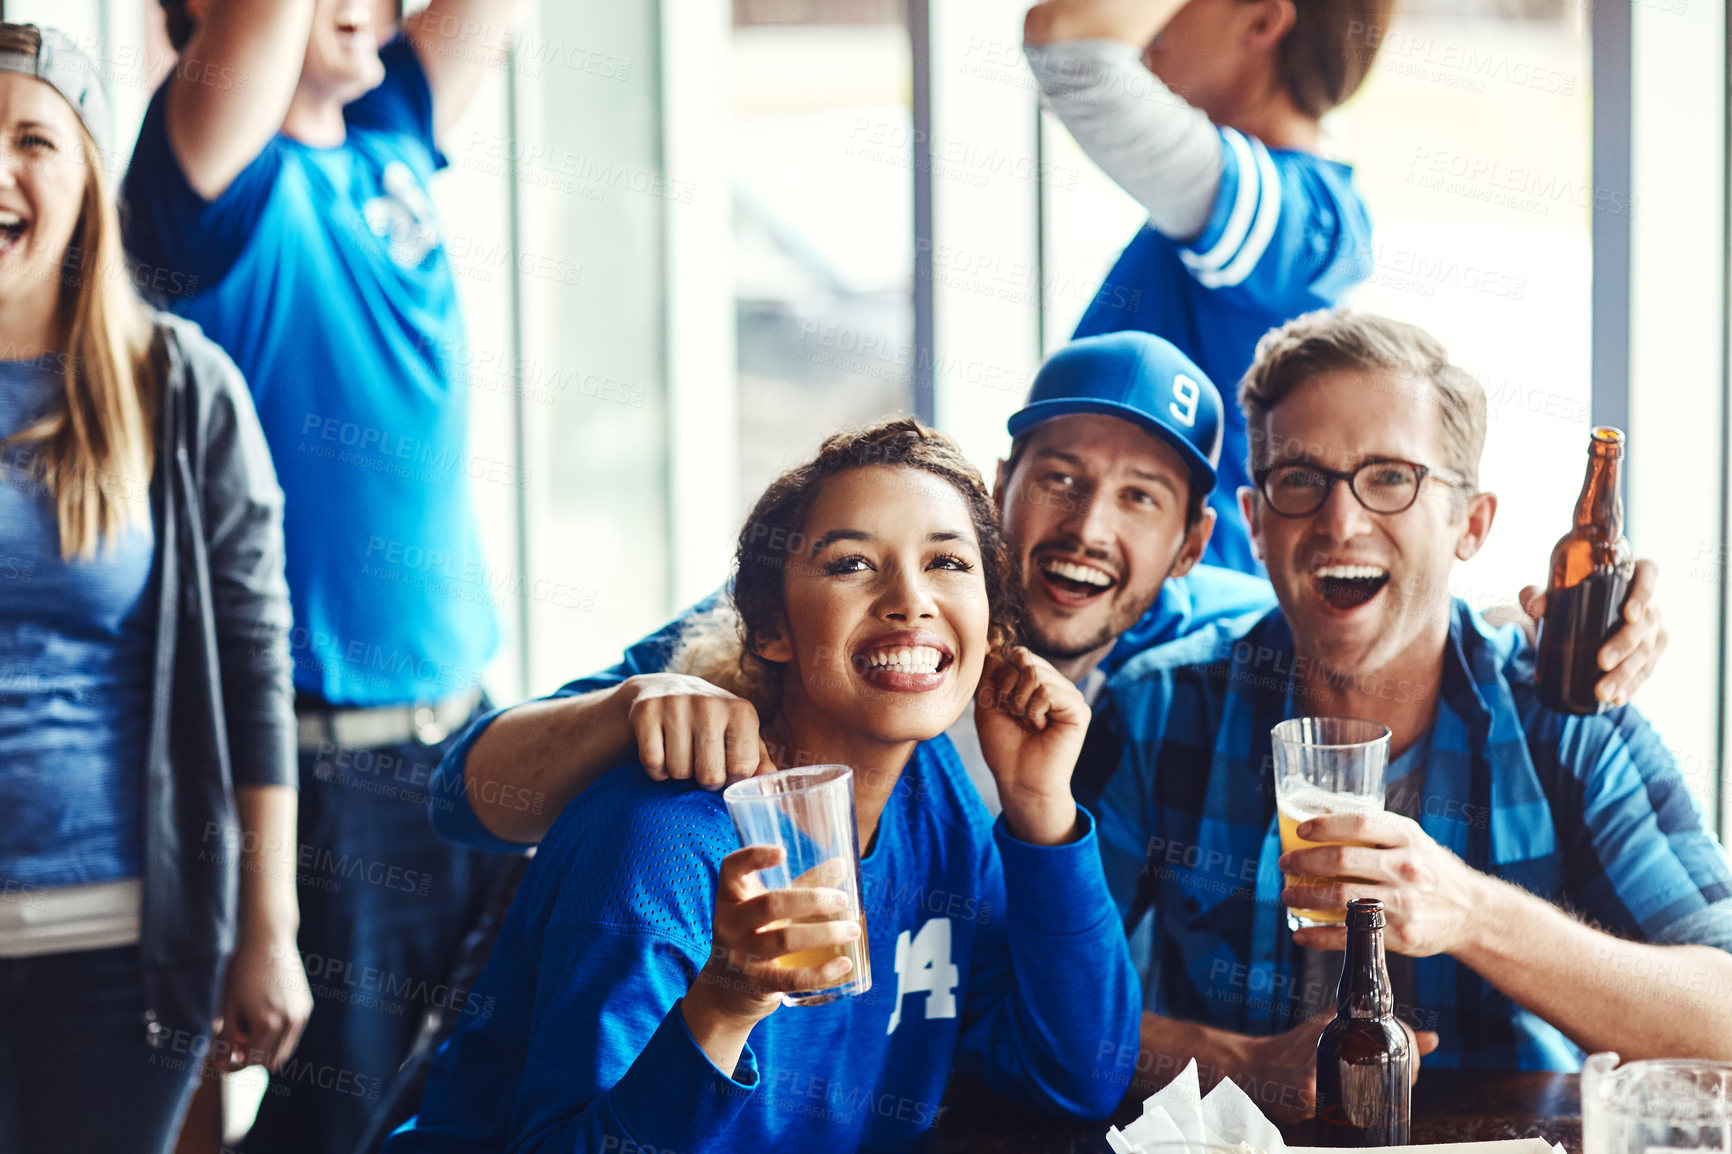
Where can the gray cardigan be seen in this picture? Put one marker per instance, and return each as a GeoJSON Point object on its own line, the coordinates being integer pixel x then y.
{"type": "Point", "coordinates": [222, 707]}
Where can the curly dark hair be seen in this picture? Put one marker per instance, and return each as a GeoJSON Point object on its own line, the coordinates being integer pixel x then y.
{"type": "Point", "coordinates": [773, 536]}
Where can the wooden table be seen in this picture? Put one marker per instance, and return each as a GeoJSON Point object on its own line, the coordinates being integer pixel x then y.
{"type": "Point", "coordinates": [1448, 1106]}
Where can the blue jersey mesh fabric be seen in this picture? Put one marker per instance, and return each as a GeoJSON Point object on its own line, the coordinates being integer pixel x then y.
{"type": "Point", "coordinates": [645, 865]}
{"type": "Point", "coordinates": [587, 1047]}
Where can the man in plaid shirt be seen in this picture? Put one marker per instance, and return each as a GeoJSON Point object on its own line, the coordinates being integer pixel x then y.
{"type": "Point", "coordinates": [1549, 884]}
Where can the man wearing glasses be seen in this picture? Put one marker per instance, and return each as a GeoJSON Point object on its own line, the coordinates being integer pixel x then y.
{"type": "Point", "coordinates": [1549, 884]}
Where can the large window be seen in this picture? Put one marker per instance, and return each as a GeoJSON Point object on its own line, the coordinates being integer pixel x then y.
{"type": "Point", "coordinates": [820, 149]}
{"type": "Point", "coordinates": [688, 245]}
{"type": "Point", "coordinates": [1471, 143]}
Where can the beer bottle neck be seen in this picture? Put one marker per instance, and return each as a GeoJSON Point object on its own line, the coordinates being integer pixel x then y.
{"type": "Point", "coordinates": [1365, 991]}
{"type": "Point", "coordinates": [1601, 504]}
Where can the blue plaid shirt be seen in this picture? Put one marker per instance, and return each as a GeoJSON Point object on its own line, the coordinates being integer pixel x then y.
{"type": "Point", "coordinates": [1587, 812]}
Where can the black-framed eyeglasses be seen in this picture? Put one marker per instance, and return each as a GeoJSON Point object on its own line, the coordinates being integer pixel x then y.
{"type": "Point", "coordinates": [1382, 485]}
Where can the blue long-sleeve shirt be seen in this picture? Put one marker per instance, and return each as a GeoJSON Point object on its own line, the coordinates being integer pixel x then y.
{"type": "Point", "coordinates": [987, 953]}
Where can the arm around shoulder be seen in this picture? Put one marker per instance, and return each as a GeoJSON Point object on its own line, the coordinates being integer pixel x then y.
{"type": "Point", "coordinates": [507, 778]}
{"type": "Point", "coordinates": [519, 768]}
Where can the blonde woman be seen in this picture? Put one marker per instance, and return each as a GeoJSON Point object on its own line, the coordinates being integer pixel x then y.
{"type": "Point", "coordinates": [147, 802]}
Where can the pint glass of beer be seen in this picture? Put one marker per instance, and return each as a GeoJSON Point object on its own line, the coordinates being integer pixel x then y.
{"type": "Point", "coordinates": [1325, 765]}
{"type": "Point", "coordinates": [809, 812]}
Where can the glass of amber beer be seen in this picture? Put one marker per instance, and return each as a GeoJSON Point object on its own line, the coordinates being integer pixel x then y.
{"type": "Point", "coordinates": [1325, 765]}
{"type": "Point", "coordinates": [809, 812]}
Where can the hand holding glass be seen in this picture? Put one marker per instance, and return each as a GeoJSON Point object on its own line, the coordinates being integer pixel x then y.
{"type": "Point", "coordinates": [1325, 765]}
{"type": "Point", "coordinates": [809, 813]}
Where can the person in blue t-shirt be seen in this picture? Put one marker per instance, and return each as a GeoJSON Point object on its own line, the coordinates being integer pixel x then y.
{"type": "Point", "coordinates": [1207, 112]}
{"type": "Point", "coordinates": [634, 989]}
{"type": "Point", "coordinates": [278, 195]}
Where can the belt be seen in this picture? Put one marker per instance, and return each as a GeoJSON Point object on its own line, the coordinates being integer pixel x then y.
{"type": "Point", "coordinates": [320, 726]}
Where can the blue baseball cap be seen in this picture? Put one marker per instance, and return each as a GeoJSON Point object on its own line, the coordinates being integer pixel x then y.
{"type": "Point", "coordinates": [1141, 378]}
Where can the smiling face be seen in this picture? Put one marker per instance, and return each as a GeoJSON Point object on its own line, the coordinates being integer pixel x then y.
{"type": "Point", "coordinates": [1094, 510]}
{"type": "Point", "coordinates": [43, 178]}
{"type": "Point", "coordinates": [1365, 591]}
{"type": "Point", "coordinates": [886, 610]}
{"type": "Point", "coordinates": [342, 60]}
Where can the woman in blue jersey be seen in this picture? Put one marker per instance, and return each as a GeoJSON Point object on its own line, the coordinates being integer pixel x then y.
{"type": "Point", "coordinates": [147, 804]}
{"type": "Point", "coordinates": [631, 1000]}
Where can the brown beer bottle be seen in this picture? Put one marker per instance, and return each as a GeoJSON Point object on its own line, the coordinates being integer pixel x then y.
{"type": "Point", "coordinates": [1364, 1060]}
{"type": "Point", "coordinates": [1590, 577]}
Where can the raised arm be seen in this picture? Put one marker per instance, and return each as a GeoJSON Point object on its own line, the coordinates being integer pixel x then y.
{"type": "Point", "coordinates": [1052, 1004]}
{"type": "Point", "coordinates": [217, 129]}
{"type": "Point", "coordinates": [457, 41]}
{"type": "Point", "coordinates": [1087, 57]}
{"type": "Point", "coordinates": [1133, 22]}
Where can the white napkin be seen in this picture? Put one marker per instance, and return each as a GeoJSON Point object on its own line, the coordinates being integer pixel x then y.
{"type": "Point", "coordinates": [1227, 1117]}
{"type": "Point", "coordinates": [1178, 1112]}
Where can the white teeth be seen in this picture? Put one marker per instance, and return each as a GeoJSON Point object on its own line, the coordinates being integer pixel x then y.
{"type": "Point", "coordinates": [1088, 575]}
{"type": "Point", "coordinates": [10, 219]}
{"type": "Point", "coordinates": [1351, 572]}
{"type": "Point", "coordinates": [916, 659]}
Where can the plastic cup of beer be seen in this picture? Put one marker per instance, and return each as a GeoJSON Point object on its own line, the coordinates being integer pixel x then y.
{"type": "Point", "coordinates": [809, 812]}
{"type": "Point", "coordinates": [1325, 765]}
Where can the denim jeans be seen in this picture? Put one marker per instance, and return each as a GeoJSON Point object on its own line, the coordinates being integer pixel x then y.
{"type": "Point", "coordinates": [384, 906]}
{"type": "Point", "coordinates": [75, 1072]}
